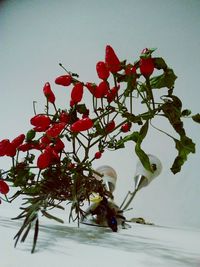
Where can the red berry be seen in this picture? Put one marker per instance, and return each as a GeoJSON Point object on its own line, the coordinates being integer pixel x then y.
{"type": "Point", "coordinates": [112, 93]}
{"type": "Point", "coordinates": [102, 70]}
{"type": "Point", "coordinates": [64, 117]}
{"type": "Point", "coordinates": [126, 127]}
{"type": "Point", "coordinates": [64, 80]}
{"type": "Point", "coordinates": [110, 126]}
{"type": "Point", "coordinates": [82, 125]}
{"type": "Point", "coordinates": [98, 155]}
{"type": "Point", "coordinates": [146, 66]}
{"type": "Point", "coordinates": [3, 147]}
{"type": "Point", "coordinates": [55, 130]}
{"type": "Point", "coordinates": [18, 140]}
{"type": "Point", "coordinates": [48, 93]}
{"type": "Point", "coordinates": [91, 87]}
{"type": "Point", "coordinates": [42, 121]}
{"type": "Point", "coordinates": [112, 61]}
{"type": "Point", "coordinates": [101, 90]}
{"type": "Point", "coordinates": [4, 188]}
{"type": "Point", "coordinates": [45, 140]}
{"type": "Point", "coordinates": [25, 147]}
{"type": "Point", "coordinates": [54, 157]}
{"type": "Point", "coordinates": [59, 145]}
{"type": "Point", "coordinates": [11, 150]}
{"type": "Point", "coordinates": [77, 93]}
{"type": "Point", "coordinates": [44, 160]}
{"type": "Point", "coordinates": [130, 70]}
{"type": "Point", "coordinates": [71, 166]}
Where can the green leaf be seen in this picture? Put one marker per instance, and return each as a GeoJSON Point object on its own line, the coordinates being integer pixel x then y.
{"type": "Point", "coordinates": [148, 54]}
{"type": "Point", "coordinates": [196, 118]}
{"type": "Point", "coordinates": [166, 79]}
{"type": "Point", "coordinates": [143, 157]}
{"type": "Point", "coordinates": [172, 111]}
{"type": "Point", "coordinates": [30, 135]}
{"type": "Point", "coordinates": [186, 112]}
{"type": "Point", "coordinates": [26, 233]}
{"type": "Point", "coordinates": [99, 129]}
{"type": "Point", "coordinates": [130, 87]}
{"type": "Point", "coordinates": [49, 216]}
{"type": "Point", "coordinates": [138, 150]}
{"type": "Point", "coordinates": [159, 63]}
{"type": "Point", "coordinates": [35, 237]}
{"type": "Point", "coordinates": [132, 118]}
{"type": "Point", "coordinates": [185, 146]}
{"type": "Point", "coordinates": [131, 137]}
{"type": "Point", "coordinates": [81, 108]}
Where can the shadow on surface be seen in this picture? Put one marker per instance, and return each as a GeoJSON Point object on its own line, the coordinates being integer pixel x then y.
{"type": "Point", "coordinates": [59, 238]}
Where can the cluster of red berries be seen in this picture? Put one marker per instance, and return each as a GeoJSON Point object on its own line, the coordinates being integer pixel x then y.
{"type": "Point", "coordinates": [50, 144]}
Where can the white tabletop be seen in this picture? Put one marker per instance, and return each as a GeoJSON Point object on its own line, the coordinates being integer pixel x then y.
{"type": "Point", "coordinates": [67, 245]}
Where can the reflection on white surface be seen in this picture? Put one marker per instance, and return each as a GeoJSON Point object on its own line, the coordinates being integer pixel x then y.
{"type": "Point", "coordinates": [67, 245]}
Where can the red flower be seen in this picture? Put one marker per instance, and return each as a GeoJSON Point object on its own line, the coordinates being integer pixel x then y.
{"type": "Point", "coordinates": [48, 93]}
{"type": "Point", "coordinates": [77, 93]}
{"type": "Point", "coordinates": [4, 188]}
{"type": "Point", "coordinates": [64, 80]}
{"type": "Point", "coordinates": [112, 61]}
{"type": "Point", "coordinates": [82, 125]}
{"type": "Point", "coordinates": [102, 70]}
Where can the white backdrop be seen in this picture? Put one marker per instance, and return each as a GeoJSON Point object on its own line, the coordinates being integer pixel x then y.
{"type": "Point", "coordinates": [36, 35]}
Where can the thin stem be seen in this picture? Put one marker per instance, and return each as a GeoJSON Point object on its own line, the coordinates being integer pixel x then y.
{"type": "Point", "coordinates": [69, 72]}
{"type": "Point", "coordinates": [131, 103]}
{"type": "Point", "coordinates": [158, 129]}
{"type": "Point", "coordinates": [38, 176]}
{"type": "Point", "coordinates": [132, 195]}
{"type": "Point", "coordinates": [34, 109]}
{"type": "Point", "coordinates": [149, 91]}
{"type": "Point", "coordinates": [55, 108]}
{"type": "Point", "coordinates": [143, 98]}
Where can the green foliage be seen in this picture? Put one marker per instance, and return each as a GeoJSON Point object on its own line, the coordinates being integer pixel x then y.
{"type": "Point", "coordinates": [166, 79]}
{"type": "Point", "coordinates": [196, 118]}
{"type": "Point", "coordinates": [185, 146]}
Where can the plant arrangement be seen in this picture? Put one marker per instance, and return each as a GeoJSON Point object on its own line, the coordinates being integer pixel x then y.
{"type": "Point", "coordinates": [53, 162]}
